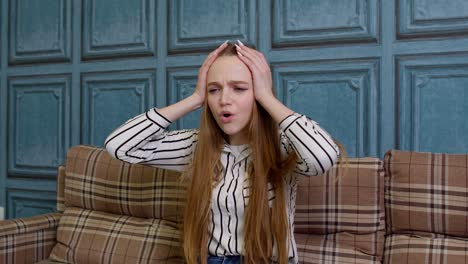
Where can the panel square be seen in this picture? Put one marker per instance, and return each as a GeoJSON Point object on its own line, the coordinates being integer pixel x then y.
{"type": "Point", "coordinates": [181, 83]}
{"type": "Point", "coordinates": [433, 104]}
{"type": "Point", "coordinates": [431, 18]}
{"type": "Point", "coordinates": [118, 28]}
{"type": "Point", "coordinates": [39, 117]}
{"type": "Point", "coordinates": [202, 25]}
{"type": "Point", "coordinates": [27, 203]}
{"type": "Point", "coordinates": [324, 22]}
{"type": "Point", "coordinates": [111, 99]}
{"type": "Point", "coordinates": [341, 97]}
{"type": "Point", "coordinates": [40, 31]}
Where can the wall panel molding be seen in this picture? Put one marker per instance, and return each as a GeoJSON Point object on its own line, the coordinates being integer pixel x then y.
{"type": "Point", "coordinates": [433, 103]}
{"type": "Point", "coordinates": [40, 31]}
{"type": "Point", "coordinates": [39, 131]}
{"type": "Point", "coordinates": [431, 18]}
{"type": "Point", "coordinates": [223, 20]}
{"type": "Point", "coordinates": [109, 99]}
{"type": "Point", "coordinates": [27, 203]}
{"type": "Point", "coordinates": [118, 28]}
{"type": "Point", "coordinates": [181, 83]}
{"type": "Point", "coordinates": [341, 97]}
{"type": "Point", "coordinates": [376, 74]}
{"type": "Point", "coordinates": [324, 22]}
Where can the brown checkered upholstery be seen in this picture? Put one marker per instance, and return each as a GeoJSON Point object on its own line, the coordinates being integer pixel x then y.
{"type": "Point", "coordinates": [426, 207]}
{"type": "Point", "coordinates": [28, 240]}
{"type": "Point", "coordinates": [110, 212]}
{"type": "Point", "coordinates": [114, 212]}
{"type": "Point", "coordinates": [60, 188]}
{"type": "Point", "coordinates": [96, 181]}
{"type": "Point", "coordinates": [89, 236]}
{"type": "Point", "coordinates": [342, 247]}
{"type": "Point", "coordinates": [340, 215]}
{"type": "Point", "coordinates": [425, 248]}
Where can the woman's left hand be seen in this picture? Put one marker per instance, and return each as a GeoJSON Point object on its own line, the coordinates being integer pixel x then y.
{"type": "Point", "coordinates": [261, 73]}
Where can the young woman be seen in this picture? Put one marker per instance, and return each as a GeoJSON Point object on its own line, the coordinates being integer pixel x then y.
{"type": "Point", "coordinates": [243, 161]}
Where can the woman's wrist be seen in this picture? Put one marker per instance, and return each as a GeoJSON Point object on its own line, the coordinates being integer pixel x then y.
{"type": "Point", "coordinates": [197, 100]}
{"type": "Point", "coordinates": [265, 99]}
{"type": "Point", "coordinates": [181, 108]}
{"type": "Point", "coordinates": [277, 110]}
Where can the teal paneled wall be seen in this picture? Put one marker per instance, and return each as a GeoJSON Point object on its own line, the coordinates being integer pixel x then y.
{"type": "Point", "coordinates": [376, 74]}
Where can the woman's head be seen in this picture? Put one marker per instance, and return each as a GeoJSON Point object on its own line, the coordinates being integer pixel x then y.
{"type": "Point", "coordinates": [230, 97]}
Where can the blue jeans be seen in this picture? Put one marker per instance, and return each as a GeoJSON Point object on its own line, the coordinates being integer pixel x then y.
{"type": "Point", "coordinates": [224, 259]}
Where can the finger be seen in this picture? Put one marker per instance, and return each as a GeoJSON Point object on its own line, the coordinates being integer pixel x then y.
{"type": "Point", "coordinates": [250, 50]}
{"type": "Point", "coordinates": [248, 61]}
{"type": "Point", "coordinates": [219, 49]}
{"type": "Point", "coordinates": [253, 61]}
{"type": "Point", "coordinates": [257, 57]}
{"type": "Point", "coordinates": [247, 50]}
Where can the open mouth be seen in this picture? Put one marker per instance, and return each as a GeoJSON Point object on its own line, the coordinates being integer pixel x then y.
{"type": "Point", "coordinates": [226, 117]}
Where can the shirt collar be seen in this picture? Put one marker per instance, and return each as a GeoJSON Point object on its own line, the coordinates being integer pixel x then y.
{"type": "Point", "coordinates": [245, 150]}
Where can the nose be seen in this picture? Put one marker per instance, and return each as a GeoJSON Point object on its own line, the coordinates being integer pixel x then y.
{"type": "Point", "coordinates": [225, 97]}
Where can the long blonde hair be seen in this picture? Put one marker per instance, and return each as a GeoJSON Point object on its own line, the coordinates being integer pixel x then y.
{"type": "Point", "coordinates": [262, 226]}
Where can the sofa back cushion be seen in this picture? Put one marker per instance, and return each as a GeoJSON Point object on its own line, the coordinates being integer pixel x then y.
{"type": "Point", "coordinates": [425, 248]}
{"type": "Point", "coordinates": [96, 181]}
{"type": "Point", "coordinates": [88, 236]}
{"type": "Point", "coordinates": [426, 192]}
{"type": "Point", "coordinates": [353, 203]}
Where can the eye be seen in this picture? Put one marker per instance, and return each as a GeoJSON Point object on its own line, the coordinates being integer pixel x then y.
{"type": "Point", "coordinates": [213, 89]}
{"type": "Point", "coordinates": [240, 89]}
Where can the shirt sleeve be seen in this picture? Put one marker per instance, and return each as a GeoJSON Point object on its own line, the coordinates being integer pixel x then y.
{"type": "Point", "coordinates": [316, 150]}
{"type": "Point", "coordinates": [144, 140]}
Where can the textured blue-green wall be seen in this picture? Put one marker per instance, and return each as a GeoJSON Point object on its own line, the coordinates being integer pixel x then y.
{"type": "Point", "coordinates": [376, 74]}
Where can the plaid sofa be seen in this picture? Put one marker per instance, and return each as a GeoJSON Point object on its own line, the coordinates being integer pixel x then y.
{"type": "Point", "coordinates": [114, 212]}
{"type": "Point", "coordinates": [426, 202]}
{"type": "Point", "coordinates": [108, 212]}
{"type": "Point", "coordinates": [340, 216]}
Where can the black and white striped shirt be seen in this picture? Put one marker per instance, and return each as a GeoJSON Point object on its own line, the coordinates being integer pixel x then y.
{"type": "Point", "coordinates": [144, 139]}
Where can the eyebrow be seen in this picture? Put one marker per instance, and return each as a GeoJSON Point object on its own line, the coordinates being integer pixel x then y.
{"type": "Point", "coordinates": [229, 82]}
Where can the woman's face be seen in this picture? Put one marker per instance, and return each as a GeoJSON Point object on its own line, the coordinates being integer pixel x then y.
{"type": "Point", "coordinates": [230, 97]}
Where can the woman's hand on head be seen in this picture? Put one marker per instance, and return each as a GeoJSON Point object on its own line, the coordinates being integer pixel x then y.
{"type": "Point", "coordinates": [261, 73]}
{"type": "Point", "coordinates": [200, 90]}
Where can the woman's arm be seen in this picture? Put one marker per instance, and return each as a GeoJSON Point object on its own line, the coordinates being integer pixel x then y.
{"type": "Point", "coordinates": [316, 150]}
{"type": "Point", "coordinates": [144, 139]}
{"type": "Point", "coordinates": [262, 82]}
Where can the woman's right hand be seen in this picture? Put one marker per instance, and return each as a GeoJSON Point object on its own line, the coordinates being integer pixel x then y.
{"type": "Point", "coordinates": [200, 90]}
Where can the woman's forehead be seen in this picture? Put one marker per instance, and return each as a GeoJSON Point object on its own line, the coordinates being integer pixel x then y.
{"type": "Point", "coordinates": [229, 68]}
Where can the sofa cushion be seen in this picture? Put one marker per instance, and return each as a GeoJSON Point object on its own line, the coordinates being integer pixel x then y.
{"type": "Point", "coordinates": [87, 236]}
{"type": "Point", "coordinates": [425, 248]}
{"type": "Point", "coordinates": [94, 180]}
{"type": "Point", "coordinates": [353, 203]}
{"type": "Point", "coordinates": [28, 240]}
{"type": "Point", "coordinates": [426, 192]}
{"type": "Point", "coordinates": [343, 247]}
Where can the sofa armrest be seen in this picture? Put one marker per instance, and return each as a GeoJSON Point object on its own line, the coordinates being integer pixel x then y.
{"type": "Point", "coordinates": [28, 240]}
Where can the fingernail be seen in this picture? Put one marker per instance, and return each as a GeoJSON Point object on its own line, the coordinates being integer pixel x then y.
{"type": "Point", "coordinates": [224, 42]}
{"type": "Point", "coordinates": [240, 43]}
{"type": "Point", "coordinates": [237, 46]}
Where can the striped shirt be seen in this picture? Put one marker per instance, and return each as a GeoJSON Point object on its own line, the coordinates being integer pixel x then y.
{"type": "Point", "coordinates": [145, 140]}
